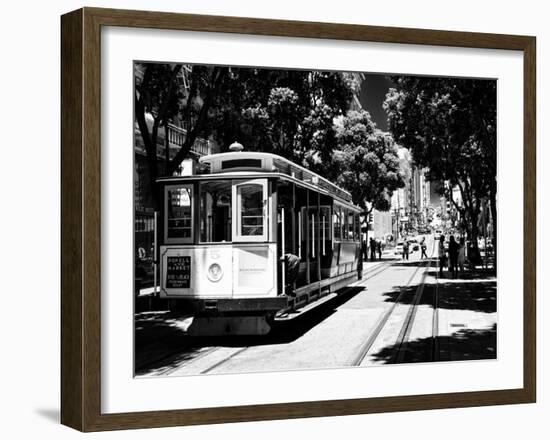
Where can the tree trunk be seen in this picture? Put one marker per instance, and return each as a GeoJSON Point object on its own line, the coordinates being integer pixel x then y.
{"type": "Point", "coordinates": [192, 134]}
{"type": "Point", "coordinates": [493, 202]}
{"type": "Point", "coordinates": [150, 139]}
{"type": "Point", "coordinates": [474, 256]}
{"type": "Point", "coordinates": [367, 247]}
{"type": "Point", "coordinates": [150, 147]}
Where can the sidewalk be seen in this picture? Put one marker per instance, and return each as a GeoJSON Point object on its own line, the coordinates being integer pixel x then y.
{"type": "Point", "coordinates": [467, 315]}
{"type": "Point", "coordinates": [455, 319]}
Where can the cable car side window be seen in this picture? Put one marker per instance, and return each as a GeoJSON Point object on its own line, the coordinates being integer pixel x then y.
{"type": "Point", "coordinates": [178, 207]}
{"type": "Point", "coordinates": [215, 211]}
{"type": "Point", "coordinates": [337, 223]}
{"type": "Point", "coordinates": [351, 225]}
{"type": "Point", "coordinates": [344, 219]}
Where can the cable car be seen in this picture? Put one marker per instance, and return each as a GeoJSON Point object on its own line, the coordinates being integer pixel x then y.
{"type": "Point", "coordinates": [253, 237]}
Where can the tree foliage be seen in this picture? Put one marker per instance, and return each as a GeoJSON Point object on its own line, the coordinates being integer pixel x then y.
{"type": "Point", "coordinates": [449, 124]}
{"type": "Point", "coordinates": [291, 113]}
{"type": "Point", "coordinates": [286, 112]}
{"type": "Point", "coordinates": [160, 95]}
{"type": "Point", "coordinates": [368, 162]}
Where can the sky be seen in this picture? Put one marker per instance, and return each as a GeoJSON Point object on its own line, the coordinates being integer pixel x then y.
{"type": "Point", "coordinates": [372, 95]}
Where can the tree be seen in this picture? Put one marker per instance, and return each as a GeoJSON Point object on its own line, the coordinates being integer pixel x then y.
{"type": "Point", "coordinates": [286, 112]}
{"type": "Point", "coordinates": [161, 97]}
{"type": "Point", "coordinates": [367, 161]}
{"type": "Point", "coordinates": [449, 124]}
{"type": "Point", "coordinates": [156, 98]}
{"type": "Point", "coordinates": [294, 117]}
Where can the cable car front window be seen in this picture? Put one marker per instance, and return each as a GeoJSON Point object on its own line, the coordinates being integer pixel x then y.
{"type": "Point", "coordinates": [215, 211]}
{"type": "Point", "coordinates": [179, 213]}
{"type": "Point", "coordinates": [251, 209]}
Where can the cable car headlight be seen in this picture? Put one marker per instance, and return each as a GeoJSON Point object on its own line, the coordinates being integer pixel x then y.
{"type": "Point", "coordinates": [215, 272]}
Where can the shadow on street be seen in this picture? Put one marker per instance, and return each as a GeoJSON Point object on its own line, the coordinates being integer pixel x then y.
{"type": "Point", "coordinates": [161, 341]}
{"type": "Point", "coordinates": [473, 291]}
{"type": "Point", "coordinates": [463, 345]}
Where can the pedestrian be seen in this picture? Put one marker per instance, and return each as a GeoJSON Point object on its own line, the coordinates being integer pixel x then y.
{"type": "Point", "coordinates": [406, 250]}
{"type": "Point", "coordinates": [372, 245]}
{"type": "Point", "coordinates": [441, 254]}
{"type": "Point", "coordinates": [461, 254]}
{"type": "Point", "coordinates": [379, 248]}
{"type": "Point", "coordinates": [453, 256]}
{"type": "Point", "coordinates": [423, 247]}
{"type": "Point", "coordinates": [364, 250]}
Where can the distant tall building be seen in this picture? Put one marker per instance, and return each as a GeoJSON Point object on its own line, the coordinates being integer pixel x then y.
{"type": "Point", "coordinates": [420, 195]}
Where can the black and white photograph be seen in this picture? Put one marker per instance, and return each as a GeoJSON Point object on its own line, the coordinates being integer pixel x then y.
{"type": "Point", "coordinates": [275, 220]}
{"type": "Point", "coordinates": [291, 219]}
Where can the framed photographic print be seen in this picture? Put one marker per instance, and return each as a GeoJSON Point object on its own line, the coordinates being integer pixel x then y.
{"type": "Point", "coordinates": [266, 219]}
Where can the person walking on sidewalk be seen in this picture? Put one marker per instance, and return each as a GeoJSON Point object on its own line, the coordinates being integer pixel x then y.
{"type": "Point", "coordinates": [441, 254]}
{"type": "Point", "coordinates": [406, 250]}
{"type": "Point", "coordinates": [423, 247]}
{"type": "Point", "coordinates": [453, 256]}
{"type": "Point", "coordinates": [379, 249]}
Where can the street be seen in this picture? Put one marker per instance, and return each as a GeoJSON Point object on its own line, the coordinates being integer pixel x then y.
{"type": "Point", "coordinates": [401, 311]}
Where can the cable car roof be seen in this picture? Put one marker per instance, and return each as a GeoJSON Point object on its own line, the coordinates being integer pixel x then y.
{"type": "Point", "coordinates": [268, 162]}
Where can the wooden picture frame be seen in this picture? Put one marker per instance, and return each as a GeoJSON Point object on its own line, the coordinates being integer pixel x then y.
{"type": "Point", "coordinates": [81, 219]}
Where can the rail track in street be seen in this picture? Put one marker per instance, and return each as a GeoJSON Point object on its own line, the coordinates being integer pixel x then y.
{"type": "Point", "coordinates": [375, 334]}
{"type": "Point", "coordinates": [403, 336]}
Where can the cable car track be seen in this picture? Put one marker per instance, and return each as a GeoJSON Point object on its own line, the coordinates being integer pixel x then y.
{"type": "Point", "coordinates": [223, 361]}
{"type": "Point", "coordinates": [404, 333]}
{"type": "Point", "coordinates": [363, 352]}
{"type": "Point", "coordinates": [377, 270]}
{"type": "Point", "coordinates": [156, 369]}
